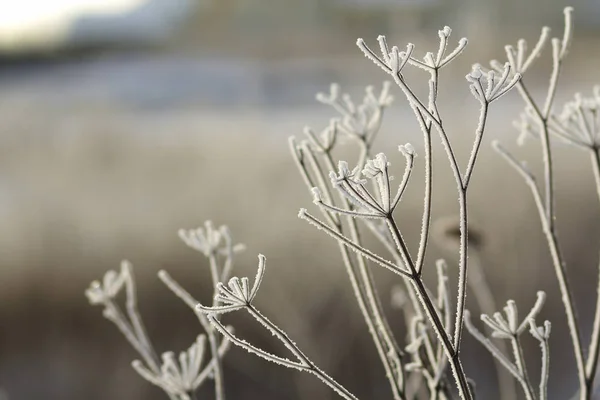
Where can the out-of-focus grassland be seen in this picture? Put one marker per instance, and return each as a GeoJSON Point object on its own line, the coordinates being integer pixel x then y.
{"type": "Point", "coordinates": [83, 186]}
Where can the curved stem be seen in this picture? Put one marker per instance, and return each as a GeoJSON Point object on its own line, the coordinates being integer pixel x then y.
{"type": "Point", "coordinates": [594, 353]}
{"type": "Point", "coordinates": [559, 269]}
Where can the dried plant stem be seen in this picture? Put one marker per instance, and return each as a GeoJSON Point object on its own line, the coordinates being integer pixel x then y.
{"type": "Point", "coordinates": [139, 331]}
{"type": "Point", "coordinates": [595, 155]}
{"type": "Point", "coordinates": [426, 130]}
{"type": "Point", "coordinates": [548, 172]}
{"type": "Point", "coordinates": [545, 370]}
{"type": "Point", "coordinates": [592, 361]}
{"type": "Point", "coordinates": [560, 271]}
{"type": "Point", "coordinates": [115, 315]}
{"type": "Point", "coordinates": [498, 355]}
{"type": "Point", "coordinates": [363, 287]}
{"type": "Point", "coordinates": [213, 339]}
{"type": "Point", "coordinates": [303, 363]}
{"type": "Point", "coordinates": [426, 126]}
{"type": "Point", "coordinates": [482, 292]}
{"type": "Point", "coordinates": [418, 285]}
{"type": "Point", "coordinates": [594, 352]}
{"type": "Point", "coordinates": [462, 268]}
{"type": "Point", "coordinates": [546, 152]}
{"type": "Point", "coordinates": [463, 184]}
{"type": "Point", "coordinates": [462, 187]}
{"type": "Point", "coordinates": [546, 205]}
{"type": "Point", "coordinates": [215, 349]}
{"type": "Point", "coordinates": [432, 314]}
{"type": "Point", "coordinates": [521, 367]}
{"type": "Point", "coordinates": [418, 309]}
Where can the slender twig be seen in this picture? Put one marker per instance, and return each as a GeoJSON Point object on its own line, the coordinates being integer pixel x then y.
{"type": "Point", "coordinates": [542, 335]}
{"type": "Point", "coordinates": [510, 367]}
{"type": "Point", "coordinates": [393, 360]}
{"type": "Point", "coordinates": [213, 339]}
{"type": "Point", "coordinates": [134, 315]}
{"type": "Point", "coordinates": [303, 363]}
{"type": "Point", "coordinates": [521, 367]}
{"type": "Point", "coordinates": [482, 292]}
{"type": "Point", "coordinates": [594, 352]}
{"type": "Point", "coordinates": [559, 268]}
{"type": "Point", "coordinates": [303, 214]}
{"type": "Point", "coordinates": [595, 156]}
{"type": "Point", "coordinates": [426, 219]}
{"type": "Point", "coordinates": [592, 360]}
{"type": "Point", "coordinates": [362, 284]}
{"type": "Point", "coordinates": [434, 318]}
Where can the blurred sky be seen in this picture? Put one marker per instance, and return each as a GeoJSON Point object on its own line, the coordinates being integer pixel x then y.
{"type": "Point", "coordinates": [248, 52]}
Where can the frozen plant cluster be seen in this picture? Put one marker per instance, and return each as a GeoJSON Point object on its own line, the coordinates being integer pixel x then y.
{"type": "Point", "coordinates": [426, 363]}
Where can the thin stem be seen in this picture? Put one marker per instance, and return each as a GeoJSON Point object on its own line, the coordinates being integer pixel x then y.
{"type": "Point", "coordinates": [134, 316]}
{"type": "Point", "coordinates": [279, 334]}
{"type": "Point", "coordinates": [208, 328]}
{"type": "Point", "coordinates": [545, 370]}
{"type": "Point", "coordinates": [363, 291]}
{"type": "Point", "coordinates": [453, 357]}
{"type": "Point", "coordinates": [546, 151]}
{"type": "Point", "coordinates": [595, 154]}
{"type": "Point", "coordinates": [318, 172]}
{"type": "Point", "coordinates": [353, 246]}
{"type": "Point", "coordinates": [217, 368]}
{"type": "Point", "coordinates": [253, 349]}
{"type": "Point", "coordinates": [223, 348]}
{"type": "Point", "coordinates": [329, 381]}
{"type": "Point", "coordinates": [548, 174]}
{"type": "Point", "coordinates": [213, 339]}
{"type": "Point", "coordinates": [414, 301]}
{"type": "Point", "coordinates": [184, 295]}
{"type": "Point", "coordinates": [307, 364]}
{"type": "Point", "coordinates": [426, 220]}
{"type": "Point", "coordinates": [594, 352]}
{"type": "Point", "coordinates": [521, 367]}
{"type": "Point", "coordinates": [115, 315]}
{"type": "Point", "coordinates": [487, 343]}
{"type": "Point", "coordinates": [426, 128]}
{"type": "Point", "coordinates": [433, 316]}
{"type": "Point", "coordinates": [463, 227]}
{"type": "Point", "coordinates": [393, 359]}
{"type": "Point", "coordinates": [556, 67]}
{"type": "Point", "coordinates": [462, 268]}
{"type": "Point", "coordinates": [479, 286]}
{"type": "Point", "coordinates": [592, 359]}
{"type": "Point", "coordinates": [437, 122]}
{"type": "Point", "coordinates": [559, 268]}
{"type": "Point", "coordinates": [478, 138]}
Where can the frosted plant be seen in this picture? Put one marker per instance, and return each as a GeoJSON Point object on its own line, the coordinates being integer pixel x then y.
{"type": "Point", "coordinates": [239, 296]}
{"type": "Point", "coordinates": [427, 362]}
{"type": "Point", "coordinates": [510, 328]}
{"type": "Point", "coordinates": [104, 294]}
{"type": "Point", "coordinates": [381, 202]}
{"type": "Point", "coordinates": [576, 125]}
{"type": "Point", "coordinates": [179, 381]}
{"type": "Point", "coordinates": [182, 379]}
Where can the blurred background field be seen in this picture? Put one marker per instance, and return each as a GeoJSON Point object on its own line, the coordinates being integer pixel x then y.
{"type": "Point", "coordinates": [123, 121]}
